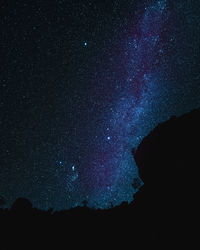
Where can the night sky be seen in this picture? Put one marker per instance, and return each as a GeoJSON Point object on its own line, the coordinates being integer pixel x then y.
{"type": "Point", "coordinates": [81, 83]}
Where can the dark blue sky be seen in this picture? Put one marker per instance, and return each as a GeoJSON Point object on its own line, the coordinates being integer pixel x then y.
{"type": "Point", "coordinates": [81, 83]}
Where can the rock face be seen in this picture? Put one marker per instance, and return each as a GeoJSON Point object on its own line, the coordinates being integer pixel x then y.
{"type": "Point", "coordinates": [169, 162]}
{"type": "Point", "coordinates": [164, 210]}
{"type": "Point", "coordinates": [168, 158]}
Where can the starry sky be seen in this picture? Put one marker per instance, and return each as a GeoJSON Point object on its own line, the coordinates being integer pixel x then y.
{"type": "Point", "coordinates": [81, 83]}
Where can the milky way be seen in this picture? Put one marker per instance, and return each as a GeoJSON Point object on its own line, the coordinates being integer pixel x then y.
{"type": "Point", "coordinates": [82, 84]}
{"type": "Point", "coordinates": [111, 167]}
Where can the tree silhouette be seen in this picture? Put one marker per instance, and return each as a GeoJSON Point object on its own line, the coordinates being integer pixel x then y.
{"type": "Point", "coordinates": [85, 203]}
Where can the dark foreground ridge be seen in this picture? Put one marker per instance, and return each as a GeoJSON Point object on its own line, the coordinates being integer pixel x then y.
{"type": "Point", "coordinates": [164, 211]}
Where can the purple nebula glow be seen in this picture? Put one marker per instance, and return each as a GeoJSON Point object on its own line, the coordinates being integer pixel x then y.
{"type": "Point", "coordinates": [111, 166]}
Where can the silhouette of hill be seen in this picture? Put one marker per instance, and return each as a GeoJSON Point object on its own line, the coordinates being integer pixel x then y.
{"type": "Point", "coordinates": [164, 211]}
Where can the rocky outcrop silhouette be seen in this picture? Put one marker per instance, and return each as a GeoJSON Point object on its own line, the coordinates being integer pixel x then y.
{"type": "Point", "coordinates": [168, 160]}
{"type": "Point", "coordinates": [163, 213]}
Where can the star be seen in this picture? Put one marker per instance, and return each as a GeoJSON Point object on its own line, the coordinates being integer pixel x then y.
{"type": "Point", "coordinates": [97, 86]}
